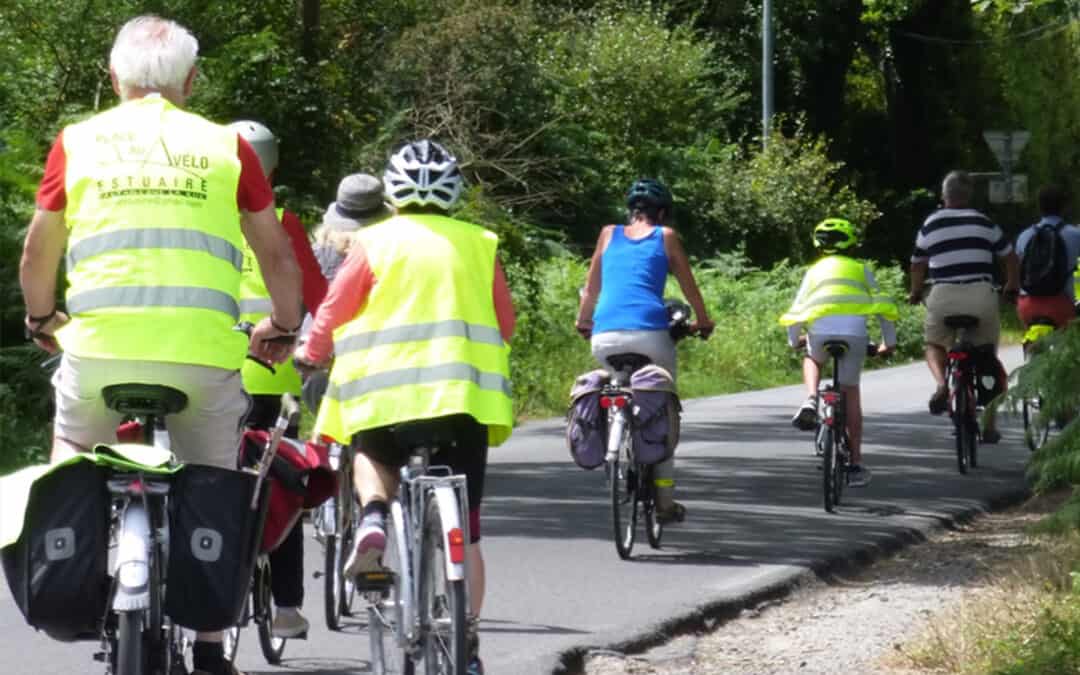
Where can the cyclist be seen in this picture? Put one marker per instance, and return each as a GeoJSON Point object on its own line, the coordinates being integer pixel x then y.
{"type": "Point", "coordinates": [153, 205]}
{"type": "Point", "coordinates": [835, 298]}
{"type": "Point", "coordinates": [1059, 307]}
{"type": "Point", "coordinates": [359, 203]}
{"type": "Point", "coordinates": [265, 387]}
{"type": "Point", "coordinates": [420, 317]}
{"type": "Point", "coordinates": [957, 247]}
{"type": "Point", "coordinates": [622, 306]}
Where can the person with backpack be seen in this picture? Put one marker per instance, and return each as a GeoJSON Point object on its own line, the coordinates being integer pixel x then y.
{"type": "Point", "coordinates": [837, 295]}
{"type": "Point", "coordinates": [957, 247]}
{"type": "Point", "coordinates": [1048, 252]}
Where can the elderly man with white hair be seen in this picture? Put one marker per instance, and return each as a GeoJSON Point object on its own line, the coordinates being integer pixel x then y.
{"type": "Point", "coordinates": [957, 247]}
{"type": "Point", "coordinates": [153, 204]}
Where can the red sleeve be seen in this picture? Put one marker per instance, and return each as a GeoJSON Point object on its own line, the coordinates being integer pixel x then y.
{"type": "Point", "coordinates": [314, 283]}
{"type": "Point", "coordinates": [347, 294]}
{"type": "Point", "coordinates": [504, 304]}
{"type": "Point", "coordinates": [253, 192]}
{"type": "Point", "coordinates": [51, 195]}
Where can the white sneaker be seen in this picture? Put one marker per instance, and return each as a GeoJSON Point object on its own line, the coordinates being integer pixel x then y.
{"type": "Point", "coordinates": [370, 544]}
{"type": "Point", "coordinates": [858, 476]}
{"type": "Point", "coordinates": [289, 623]}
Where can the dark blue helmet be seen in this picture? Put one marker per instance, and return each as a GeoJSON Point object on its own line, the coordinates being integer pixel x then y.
{"type": "Point", "coordinates": [648, 193]}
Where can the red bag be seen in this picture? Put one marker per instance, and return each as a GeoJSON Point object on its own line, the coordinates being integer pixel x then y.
{"type": "Point", "coordinates": [300, 478]}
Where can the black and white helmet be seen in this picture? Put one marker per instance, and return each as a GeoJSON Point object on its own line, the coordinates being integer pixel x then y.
{"type": "Point", "coordinates": [422, 173]}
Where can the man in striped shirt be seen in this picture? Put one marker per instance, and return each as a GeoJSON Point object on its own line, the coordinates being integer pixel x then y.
{"type": "Point", "coordinates": [959, 247]}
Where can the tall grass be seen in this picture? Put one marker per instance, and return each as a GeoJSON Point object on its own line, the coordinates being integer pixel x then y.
{"type": "Point", "coordinates": [748, 350]}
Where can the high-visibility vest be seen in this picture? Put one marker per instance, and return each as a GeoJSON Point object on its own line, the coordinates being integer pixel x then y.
{"type": "Point", "coordinates": [426, 343]}
{"type": "Point", "coordinates": [836, 285]}
{"type": "Point", "coordinates": [155, 247]}
{"type": "Point", "coordinates": [254, 307]}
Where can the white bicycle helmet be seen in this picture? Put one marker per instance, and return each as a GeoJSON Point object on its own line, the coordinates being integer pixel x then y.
{"type": "Point", "coordinates": [422, 173]}
{"type": "Point", "coordinates": [262, 141]}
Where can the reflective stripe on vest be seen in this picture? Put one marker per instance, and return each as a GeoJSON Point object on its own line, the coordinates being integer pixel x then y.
{"type": "Point", "coordinates": [154, 250]}
{"type": "Point", "coordinates": [255, 305]}
{"type": "Point", "coordinates": [836, 285]}
{"type": "Point", "coordinates": [427, 342]}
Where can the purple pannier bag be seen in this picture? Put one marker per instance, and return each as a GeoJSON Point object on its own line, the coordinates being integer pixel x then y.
{"type": "Point", "coordinates": [586, 421]}
{"type": "Point", "coordinates": [655, 424]}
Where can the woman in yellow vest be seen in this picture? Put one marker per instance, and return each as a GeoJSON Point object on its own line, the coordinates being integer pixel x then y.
{"type": "Point", "coordinates": [837, 295]}
{"type": "Point", "coordinates": [420, 318]}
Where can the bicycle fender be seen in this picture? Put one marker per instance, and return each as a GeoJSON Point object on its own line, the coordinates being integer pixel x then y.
{"type": "Point", "coordinates": [450, 513]}
{"type": "Point", "coordinates": [406, 587]}
{"type": "Point", "coordinates": [132, 560]}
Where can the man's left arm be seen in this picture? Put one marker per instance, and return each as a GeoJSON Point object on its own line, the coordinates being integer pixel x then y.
{"type": "Point", "coordinates": [1003, 248]}
{"type": "Point", "coordinates": [42, 251]}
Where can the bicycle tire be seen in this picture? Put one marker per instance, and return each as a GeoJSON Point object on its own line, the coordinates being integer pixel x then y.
{"type": "Point", "coordinates": [843, 452]}
{"type": "Point", "coordinates": [1036, 433]}
{"type": "Point", "coordinates": [623, 506]}
{"type": "Point", "coordinates": [130, 655]}
{"type": "Point", "coordinates": [827, 445]}
{"type": "Point", "coordinates": [385, 618]}
{"type": "Point", "coordinates": [230, 641]}
{"type": "Point", "coordinates": [654, 529]}
{"type": "Point", "coordinates": [272, 647]}
{"type": "Point", "coordinates": [442, 603]}
{"type": "Point", "coordinates": [960, 422]}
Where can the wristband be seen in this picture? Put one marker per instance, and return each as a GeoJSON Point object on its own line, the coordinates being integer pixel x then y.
{"type": "Point", "coordinates": [41, 320]}
{"type": "Point", "coordinates": [281, 329]}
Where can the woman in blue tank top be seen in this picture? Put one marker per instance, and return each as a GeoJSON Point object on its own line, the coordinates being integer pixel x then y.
{"type": "Point", "coordinates": [622, 306]}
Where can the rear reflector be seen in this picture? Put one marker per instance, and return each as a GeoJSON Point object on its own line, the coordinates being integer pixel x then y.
{"type": "Point", "coordinates": [456, 540]}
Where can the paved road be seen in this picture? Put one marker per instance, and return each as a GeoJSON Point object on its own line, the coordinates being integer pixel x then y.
{"type": "Point", "coordinates": [753, 495]}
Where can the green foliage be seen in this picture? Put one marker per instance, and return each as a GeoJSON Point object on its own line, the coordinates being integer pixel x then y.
{"type": "Point", "coordinates": [1050, 646]}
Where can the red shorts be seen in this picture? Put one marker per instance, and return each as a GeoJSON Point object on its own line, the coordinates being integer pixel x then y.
{"type": "Point", "coordinates": [1057, 308]}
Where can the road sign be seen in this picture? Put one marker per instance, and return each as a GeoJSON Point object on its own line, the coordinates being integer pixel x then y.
{"type": "Point", "coordinates": [1009, 190]}
{"type": "Point", "coordinates": [1007, 145]}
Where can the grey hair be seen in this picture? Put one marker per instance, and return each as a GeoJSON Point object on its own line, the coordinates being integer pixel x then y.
{"type": "Point", "coordinates": [958, 187]}
{"type": "Point", "coordinates": [153, 53]}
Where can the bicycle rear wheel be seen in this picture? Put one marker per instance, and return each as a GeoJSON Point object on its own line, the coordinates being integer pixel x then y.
{"type": "Point", "coordinates": [961, 420]}
{"type": "Point", "coordinates": [130, 654]}
{"type": "Point", "coordinates": [272, 647]}
{"type": "Point", "coordinates": [623, 506]}
{"type": "Point", "coordinates": [1036, 430]}
{"type": "Point", "coordinates": [831, 469]}
{"type": "Point", "coordinates": [442, 602]}
{"type": "Point", "coordinates": [653, 528]}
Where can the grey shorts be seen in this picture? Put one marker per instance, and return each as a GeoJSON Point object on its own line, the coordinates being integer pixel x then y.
{"type": "Point", "coordinates": [975, 299]}
{"type": "Point", "coordinates": [206, 432]}
{"type": "Point", "coordinates": [851, 363]}
{"type": "Point", "coordinates": [655, 344]}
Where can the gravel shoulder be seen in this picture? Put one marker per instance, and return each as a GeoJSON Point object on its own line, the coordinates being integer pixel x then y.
{"type": "Point", "coordinates": [858, 622]}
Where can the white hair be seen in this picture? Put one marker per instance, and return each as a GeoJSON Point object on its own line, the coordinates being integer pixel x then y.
{"type": "Point", "coordinates": [153, 53]}
{"type": "Point", "coordinates": [958, 188]}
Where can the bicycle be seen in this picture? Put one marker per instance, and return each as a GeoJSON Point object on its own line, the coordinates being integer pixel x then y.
{"type": "Point", "coordinates": [963, 402]}
{"type": "Point", "coordinates": [1036, 430]}
{"type": "Point", "coordinates": [335, 524]}
{"type": "Point", "coordinates": [831, 441]}
{"type": "Point", "coordinates": [258, 607]}
{"type": "Point", "coordinates": [631, 482]}
{"type": "Point", "coordinates": [418, 601]}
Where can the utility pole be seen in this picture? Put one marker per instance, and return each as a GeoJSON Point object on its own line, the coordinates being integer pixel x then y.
{"type": "Point", "coordinates": [766, 71]}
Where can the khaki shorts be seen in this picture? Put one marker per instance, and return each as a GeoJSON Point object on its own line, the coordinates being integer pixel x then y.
{"type": "Point", "coordinates": [207, 431]}
{"type": "Point", "coordinates": [975, 299]}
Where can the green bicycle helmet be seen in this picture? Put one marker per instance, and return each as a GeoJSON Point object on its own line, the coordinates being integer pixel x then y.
{"type": "Point", "coordinates": [833, 235]}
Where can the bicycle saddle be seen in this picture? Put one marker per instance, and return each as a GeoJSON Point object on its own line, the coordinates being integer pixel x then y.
{"type": "Point", "coordinates": [957, 321]}
{"type": "Point", "coordinates": [629, 362]}
{"type": "Point", "coordinates": [836, 347]}
{"type": "Point", "coordinates": [144, 399]}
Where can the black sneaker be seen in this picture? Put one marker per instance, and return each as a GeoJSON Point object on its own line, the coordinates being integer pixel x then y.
{"type": "Point", "coordinates": [676, 513]}
{"type": "Point", "coordinates": [939, 402]}
{"type": "Point", "coordinates": [858, 476]}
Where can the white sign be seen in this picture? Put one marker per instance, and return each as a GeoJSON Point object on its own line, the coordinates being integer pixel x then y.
{"type": "Point", "coordinates": [1000, 192]}
{"type": "Point", "coordinates": [1007, 145]}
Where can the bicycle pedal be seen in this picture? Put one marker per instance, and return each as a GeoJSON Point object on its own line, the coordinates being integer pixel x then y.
{"type": "Point", "coordinates": [100, 656]}
{"type": "Point", "coordinates": [374, 581]}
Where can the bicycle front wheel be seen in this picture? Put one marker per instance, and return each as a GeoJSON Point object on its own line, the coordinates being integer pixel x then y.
{"type": "Point", "coordinates": [442, 602]}
{"type": "Point", "coordinates": [831, 469]}
{"type": "Point", "coordinates": [130, 655]}
{"type": "Point", "coordinates": [272, 647]}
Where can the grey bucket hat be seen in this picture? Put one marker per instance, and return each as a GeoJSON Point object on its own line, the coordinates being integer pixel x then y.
{"type": "Point", "coordinates": [359, 202]}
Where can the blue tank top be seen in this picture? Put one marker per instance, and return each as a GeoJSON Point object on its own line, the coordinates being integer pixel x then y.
{"type": "Point", "coordinates": [632, 277]}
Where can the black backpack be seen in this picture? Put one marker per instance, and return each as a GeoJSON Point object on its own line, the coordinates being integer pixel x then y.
{"type": "Point", "coordinates": [1045, 269]}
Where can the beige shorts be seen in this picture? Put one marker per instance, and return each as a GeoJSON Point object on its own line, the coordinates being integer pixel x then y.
{"type": "Point", "coordinates": [206, 432]}
{"type": "Point", "coordinates": [976, 299]}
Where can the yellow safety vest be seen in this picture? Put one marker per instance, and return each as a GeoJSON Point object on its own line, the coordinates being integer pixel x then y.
{"type": "Point", "coordinates": [426, 343]}
{"type": "Point", "coordinates": [254, 307]}
{"type": "Point", "coordinates": [155, 247]}
{"type": "Point", "coordinates": [836, 285]}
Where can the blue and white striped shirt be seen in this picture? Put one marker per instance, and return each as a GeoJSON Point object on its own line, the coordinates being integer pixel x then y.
{"type": "Point", "coordinates": [960, 245]}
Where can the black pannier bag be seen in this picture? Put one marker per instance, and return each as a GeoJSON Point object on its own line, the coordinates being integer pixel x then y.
{"type": "Point", "coordinates": [57, 569]}
{"type": "Point", "coordinates": [213, 541]}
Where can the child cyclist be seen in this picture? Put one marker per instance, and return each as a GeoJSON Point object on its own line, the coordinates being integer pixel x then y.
{"type": "Point", "coordinates": [837, 294]}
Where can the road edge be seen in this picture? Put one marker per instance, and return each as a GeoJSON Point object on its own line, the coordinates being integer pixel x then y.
{"type": "Point", "coordinates": [714, 612]}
